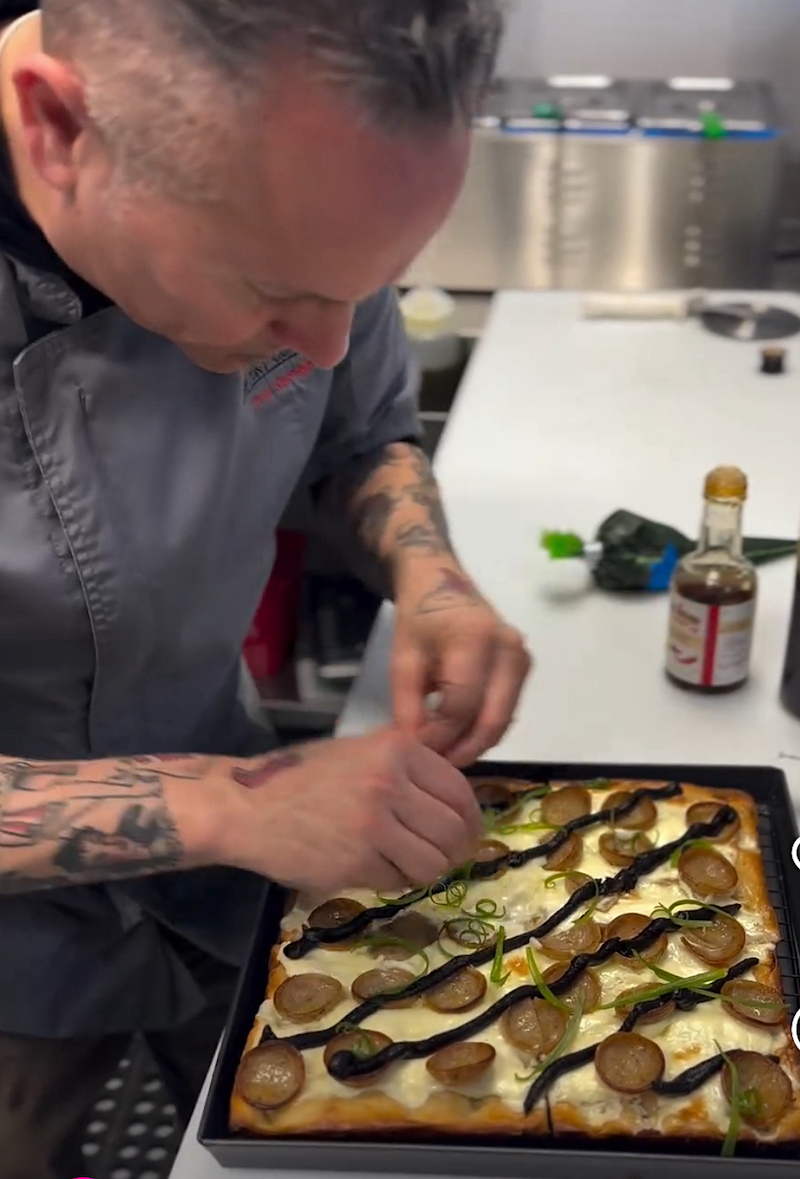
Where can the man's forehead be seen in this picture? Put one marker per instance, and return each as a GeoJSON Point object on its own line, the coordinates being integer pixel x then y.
{"type": "Point", "coordinates": [320, 186]}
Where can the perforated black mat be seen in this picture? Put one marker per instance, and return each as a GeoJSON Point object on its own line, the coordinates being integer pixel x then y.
{"type": "Point", "coordinates": [133, 1132]}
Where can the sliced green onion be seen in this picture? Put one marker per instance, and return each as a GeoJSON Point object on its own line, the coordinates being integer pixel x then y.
{"type": "Point", "coordinates": [732, 1136]}
{"type": "Point", "coordinates": [544, 989]}
{"type": "Point", "coordinates": [551, 881]}
{"type": "Point", "coordinates": [375, 941]}
{"type": "Point", "coordinates": [570, 1032]}
{"type": "Point", "coordinates": [691, 983]}
{"type": "Point", "coordinates": [643, 996]}
{"type": "Point", "coordinates": [497, 977]}
{"type": "Point", "coordinates": [697, 983]}
{"type": "Point", "coordinates": [599, 784]}
{"type": "Point", "coordinates": [683, 902]}
{"type": "Point", "coordinates": [516, 828]}
{"type": "Point", "coordinates": [473, 930]}
{"type": "Point", "coordinates": [670, 911]}
{"type": "Point", "coordinates": [676, 855]}
{"type": "Point", "coordinates": [451, 897]}
{"type": "Point", "coordinates": [487, 910]}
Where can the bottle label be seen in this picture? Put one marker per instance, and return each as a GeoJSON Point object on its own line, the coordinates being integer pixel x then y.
{"type": "Point", "coordinates": [709, 646]}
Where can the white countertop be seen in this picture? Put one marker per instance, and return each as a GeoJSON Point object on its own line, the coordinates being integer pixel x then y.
{"type": "Point", "coordinates": [560, 422]}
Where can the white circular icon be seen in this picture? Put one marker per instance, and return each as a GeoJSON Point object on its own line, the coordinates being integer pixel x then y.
{"type": "Point", "coordinates": [796, 853]}
{"type": "Point", "coordinates": [796, 1030]}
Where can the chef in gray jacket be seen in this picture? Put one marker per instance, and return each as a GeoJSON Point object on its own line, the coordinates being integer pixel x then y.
{"type": "Point", "coordinates": [202, 205]}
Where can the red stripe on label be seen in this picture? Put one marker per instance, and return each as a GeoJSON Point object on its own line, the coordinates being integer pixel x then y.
{"type": "Point", "coordinates": [710, 652]}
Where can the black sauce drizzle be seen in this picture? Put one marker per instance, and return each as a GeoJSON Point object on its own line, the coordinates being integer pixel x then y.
{"type": "Point", "coordinates": [686, 1082]}
{"type": "Point", "coordinates": [623, 881]}
{"type": "Point", "coordinates": [345, 1065]}
{"type": "Point", "coordinates": [312, 938]}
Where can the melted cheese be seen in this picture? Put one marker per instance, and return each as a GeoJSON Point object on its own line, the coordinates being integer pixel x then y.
{"type": "Point", "coordinates": [685, 1037]}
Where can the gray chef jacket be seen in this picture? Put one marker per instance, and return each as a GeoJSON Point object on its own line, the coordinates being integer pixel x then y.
{"type": "Point", "coordinates": [139, 497]}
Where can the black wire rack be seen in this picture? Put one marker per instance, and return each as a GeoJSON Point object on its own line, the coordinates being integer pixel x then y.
{"type": "Point", "coordinates": [133, 1131]}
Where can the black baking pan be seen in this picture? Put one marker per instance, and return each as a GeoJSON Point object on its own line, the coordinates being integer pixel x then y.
{"type": "Point", "coordinates": [539, 1158]}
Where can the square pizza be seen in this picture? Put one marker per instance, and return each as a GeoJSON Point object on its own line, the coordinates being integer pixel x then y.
{"type": "Point", "coordinates": [605, 966]}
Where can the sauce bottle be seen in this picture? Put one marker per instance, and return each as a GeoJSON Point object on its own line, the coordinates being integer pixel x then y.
{"type": "Point", "coordinates": [713, 596]}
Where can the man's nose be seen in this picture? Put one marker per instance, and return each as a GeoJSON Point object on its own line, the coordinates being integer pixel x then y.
{"type": "Point", "coordinates": [321, 334]}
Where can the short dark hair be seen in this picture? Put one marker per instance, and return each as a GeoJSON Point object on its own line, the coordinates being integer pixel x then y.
{"type": "Point", "coordinates": [406, 63]}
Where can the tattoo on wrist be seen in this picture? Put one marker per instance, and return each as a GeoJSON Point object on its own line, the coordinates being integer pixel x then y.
{"type": "Point", "coordinates": [455, 590]}
{"type": "Point", "coordinates": [253, 777]}
{"type": "Point", "coordinates": [423, 536]}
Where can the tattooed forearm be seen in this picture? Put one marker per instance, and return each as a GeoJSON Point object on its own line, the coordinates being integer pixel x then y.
{"type": "Point", "coordinates": [384, 506]}
{"type": "Point", "coordinates": [79, 823]}
{"type": "Point", "coordinates": [117, 818]}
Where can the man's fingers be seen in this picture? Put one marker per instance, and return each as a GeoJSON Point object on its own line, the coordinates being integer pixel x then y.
{"type": "Point", "coordinates": [511, 666]}
{"type": "Point", "coordinates": [409, 684]}
{"type": "Point", "coordinates": [385, 877]}
{"type": "Point", "coordinates": [450, 834]}
{"type": "Point", "coordinates": [461, 682]}
{"type": "Point", "coordinates": [436, 777]}
{"type": "Point", "coordinates": [415, 859]}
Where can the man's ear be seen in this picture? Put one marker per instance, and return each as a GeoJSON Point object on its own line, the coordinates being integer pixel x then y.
{"type": "Point", "coordinates": [52, 105]}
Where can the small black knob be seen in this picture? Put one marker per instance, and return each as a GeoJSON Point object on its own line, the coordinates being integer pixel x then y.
{"type": "Point", "coordinates": [773, 361]}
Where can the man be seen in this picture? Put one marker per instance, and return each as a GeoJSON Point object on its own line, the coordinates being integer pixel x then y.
{"type": "Point", "coordinates": [193, 186]}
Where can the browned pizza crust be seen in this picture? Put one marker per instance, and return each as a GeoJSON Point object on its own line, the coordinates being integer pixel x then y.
{"type": "Point", "coordinates": [447, 1113]}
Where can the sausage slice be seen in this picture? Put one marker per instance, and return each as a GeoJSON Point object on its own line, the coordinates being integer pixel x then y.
{"type": "Point", "coordinates": [567, 855]}
{"type": "Point", "coordinates": [460, 1063]}
{"type": "Point", "coordinates": [565, 804]}
{"type": "Point", "coordinates": [304, 998]}
{"type": "Point", "coordinates": [760, 1075]}
{"type": "Point", "coordinates": [707, 872]}
{"type": "Point", "coordinates": [534, 1026]}
{"type": "Point", "coordinates": [460, 992]}
{"type": "Point", "coordinates": [752, 1002]}
{"type": "Point", "coordinates": [706, 812]}
{"type": "Point", "coordinates": [584, 938]}
{"type": "Point", "coordinates": [373, 983]}
{"type": "Point", "coordinates": [629, 1063]}
{"type": "Point", "coordinates": [362, 1044]}
{"type": "Point", "coordinates": [719, 942]}
{"type": "Point", "coordinates": [628, 926]}
{"type": "Point", "coordinates": [586, 988]}
{"type": "Point", "coordinates": [270, 1075]}
{"type": "Point", "coordinates": [641, 818]}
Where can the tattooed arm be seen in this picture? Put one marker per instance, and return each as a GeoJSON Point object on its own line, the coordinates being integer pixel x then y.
{"type": "Point", "coordinates": [81, 822]}
{"type": "Point", "coordinates": [387, 514]}
{"type": "Point", "coordinates": [384, 510]}
{"type": "Point", "coordinates": [372, 812]}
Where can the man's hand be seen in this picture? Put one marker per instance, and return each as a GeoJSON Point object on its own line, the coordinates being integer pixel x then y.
{"type": "Point", "coordinates": [388, 512]}
{"type": "Point", "coordinates": [380, 812]}
{"type": "Point", "coordinates": [448, 639]}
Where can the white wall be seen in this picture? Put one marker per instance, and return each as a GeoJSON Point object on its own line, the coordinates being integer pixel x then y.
{"type": "Point", "coordinates": [657, 38]}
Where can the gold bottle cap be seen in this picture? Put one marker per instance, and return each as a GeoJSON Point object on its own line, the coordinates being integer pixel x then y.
{"type": "Point", "coordinates": [726, 483]}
